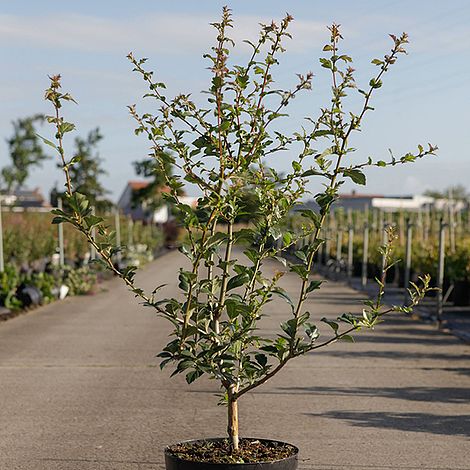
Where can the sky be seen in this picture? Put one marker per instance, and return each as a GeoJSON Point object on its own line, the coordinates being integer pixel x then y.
{"type": "Point", "coordinates": [425, 97]}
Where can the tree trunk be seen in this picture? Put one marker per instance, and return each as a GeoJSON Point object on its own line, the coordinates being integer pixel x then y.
{"type": "Point", "coordinates": [232, 427]}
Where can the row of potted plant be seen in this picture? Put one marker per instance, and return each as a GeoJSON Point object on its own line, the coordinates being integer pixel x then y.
{"type": "Point", "coordinates": [424, 259]}
{"type": "Point", "coordinates": [26, 289]}
{"type": "Point", "coordinates": [29, 238]}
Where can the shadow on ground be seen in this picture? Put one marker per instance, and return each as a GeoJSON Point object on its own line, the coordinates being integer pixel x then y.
{"type": "Point", "coordinates": [424, 394]}
{"type": "Point", "coordinates": [400, 355]}
{"type": "Point", "coordinates": [414, 422]}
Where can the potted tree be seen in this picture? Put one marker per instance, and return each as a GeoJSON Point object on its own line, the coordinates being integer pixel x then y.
{"type": "Point", "coordinates": [224, 150]}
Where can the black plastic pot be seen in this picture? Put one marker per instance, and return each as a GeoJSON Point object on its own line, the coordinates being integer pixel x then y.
{"type": "Point", "coordinates": [175, 463]}
{"type": "Point", "coordinates": [29, 296]}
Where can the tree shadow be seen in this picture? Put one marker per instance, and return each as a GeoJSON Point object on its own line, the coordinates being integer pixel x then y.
{"type": "Point", "coordinates": [432, 340]}
{"type": "Point", "coordinates": [425, 394]}
{"type": "Point", "coordinates": [337, 299]}
{"type": "Point", "coordinates": [457, 370]}
{"type": "Point", "coordinates": [397, 355]}
{"type": "Point", "coordinates": [414, 422]}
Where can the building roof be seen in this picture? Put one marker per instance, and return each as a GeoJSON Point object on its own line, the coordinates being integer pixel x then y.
{"type": "Point", "coordinates": [355, 195]}
{"type": "Point", "coordinates": [137, 185]}
{"type": "Point", "coordinates": [25, 198]}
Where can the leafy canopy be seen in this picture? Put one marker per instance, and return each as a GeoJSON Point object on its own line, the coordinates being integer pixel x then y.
{"type": "Point", "coordinates": [225, 149]}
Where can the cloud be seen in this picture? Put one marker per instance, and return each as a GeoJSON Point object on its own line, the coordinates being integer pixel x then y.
{"type": "Point", "coordinates": [163, 33]}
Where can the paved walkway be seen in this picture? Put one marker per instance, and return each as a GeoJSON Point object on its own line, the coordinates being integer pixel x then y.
{"type": "Point", "coordinates": [80, 389]}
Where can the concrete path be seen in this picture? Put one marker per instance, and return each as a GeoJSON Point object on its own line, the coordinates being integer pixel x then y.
{"type": "Point", "coordinates": [80, 388]}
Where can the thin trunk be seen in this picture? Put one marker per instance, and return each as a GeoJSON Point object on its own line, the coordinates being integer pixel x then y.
{"type": "Point", "coordinates": [232, 425]}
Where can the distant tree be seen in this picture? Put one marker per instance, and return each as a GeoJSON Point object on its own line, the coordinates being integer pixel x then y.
{"type": "Point", "coordinates": [457, 192]}
{"type": "Point", "coordinates": [86, 172]}
{"type": "Point", "coordinates": [25, 151]}
{"type": "Point", "coordinates": [151, 195]}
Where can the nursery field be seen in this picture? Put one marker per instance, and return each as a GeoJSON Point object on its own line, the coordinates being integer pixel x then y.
{"type": "Point", "coordinates": [36, 255]}
{"type": "Point", "coordinates": [424, 242]}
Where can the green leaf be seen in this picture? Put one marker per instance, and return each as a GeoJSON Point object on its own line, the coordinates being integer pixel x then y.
{"type": "Point", "coordinates": [185, 278]}
{"type": "Point", "coordinates": [286, 238]}
{"type": "Point", "coordinates": [347, 338]}
{"type": "Point", "coordinates": [311, 331]}
{"type": "Point", "coordinates": [313, 216]}
{"type": "Point", "coordinates": [326, 63]}
{"type": "Point", "coordinates": [283, 294]}
{"type": "Point", "coordinates": [314, 285]}
{"type": "Point", "coordinates": [237, 281]}
{"type": "Point", "coordinates": [59, 220]}
{"type": "Point", "coordinates": [48, 142]}
{"type": "Point", "coordinates": [290, 327]}
{"type": "Point", "coordinates": [216, 239]}
{"type": "Point", "coordinates": [242, 81]}
{"type": "Point", "coordinates": [300, 270]}
{"type": "Point", "coordinates": [333, 325]}
{"type": "Point", "coordinates": [252, 255]}
{"type": "Point", "coordinates": [224, 126]}
{"type": "Point", "coordinates": [93, 220]}
{"type": "Point", "coordinates": [261, 359]}
{"type": "Point", "coordinates": [66, 127]}
{"type": "Point", "coordinates": [312, 172]}
{"type": "Point", "coordinates": [356, 175]}
{"type": "Point", "coordinates": [235, 308]}
{"type": "Point", "coordinates": [348, 318]}
{"type": "Point", "coordinates": [193, 375]}
{"type": "Point", "coordinates": [374, 83]}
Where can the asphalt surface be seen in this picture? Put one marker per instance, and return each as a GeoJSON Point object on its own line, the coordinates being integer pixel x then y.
{"type": "Point", "coordinates": [80, 388]}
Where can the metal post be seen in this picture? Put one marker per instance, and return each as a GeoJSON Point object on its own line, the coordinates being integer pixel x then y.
{"type": "Point", "coordinates": [409, 238]}
{"type": "Point", "coordinates": [458, 224]}
{"type": "Point", "coordinates": [2, 261]}
{"type": "Point", "coordinates": [365, 254]}
{"type": "Point", "coordinates": [60, 228]}
{"type": "Point", "coordinates": [420, 224]}
{"type": "Point", "coordinates": [440, 272]}
{"type": "Point", "coordinates": [450, 202]}
{"type": "Point", "coordinates": [384, 242]}
{"type": "Point", "coordinates": [366, 213]}
{"type": "Point", "coordinates": [339, 244]}
{"type": "Point", "coordinates": [375, 219]}
{"type": "Point", "coordinates": [427, 224]}
{"type": "Point", "coordinates": [350, 251]}
{"type": "Point", "coordinates": [401, 225]}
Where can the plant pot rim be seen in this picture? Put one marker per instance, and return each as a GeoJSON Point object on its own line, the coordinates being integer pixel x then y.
{"type": "Point", "coordinates": [211, 439]}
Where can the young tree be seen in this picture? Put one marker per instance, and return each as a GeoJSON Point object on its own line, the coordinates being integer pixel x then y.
{"type": "Point", "coordinates": [223, 149]}
{"type": "Point", "coordinates": [25, 151]}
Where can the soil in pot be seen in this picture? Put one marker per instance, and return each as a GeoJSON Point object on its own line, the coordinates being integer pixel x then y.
{"type": "Point", "coordinates": [218, 451]}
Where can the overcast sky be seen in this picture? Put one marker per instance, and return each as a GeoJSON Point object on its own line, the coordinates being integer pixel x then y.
{"type": "Point", "coordinates": [425, 97]}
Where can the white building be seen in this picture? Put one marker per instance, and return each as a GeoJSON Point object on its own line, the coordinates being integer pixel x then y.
{"type": "Point", "coordinates": [142, 211]}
